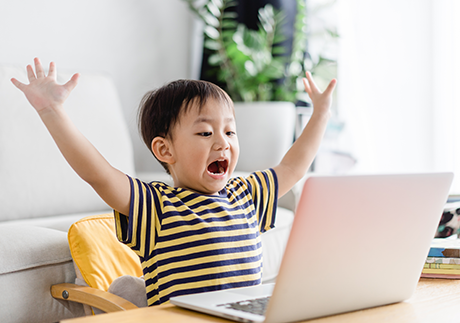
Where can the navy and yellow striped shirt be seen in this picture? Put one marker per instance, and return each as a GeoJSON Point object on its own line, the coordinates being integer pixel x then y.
{"type": "Point", "coordinates": [192, 243]}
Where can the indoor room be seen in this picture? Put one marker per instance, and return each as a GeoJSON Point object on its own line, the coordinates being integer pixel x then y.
{"type": "Point", "coordinates": [375, 157]}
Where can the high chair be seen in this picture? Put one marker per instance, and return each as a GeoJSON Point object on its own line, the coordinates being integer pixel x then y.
{"type": "Point", "coordinates": [99, 259]}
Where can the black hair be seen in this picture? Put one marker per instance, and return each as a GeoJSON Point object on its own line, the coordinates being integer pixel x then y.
{"type": "Point", "coordinates": [160, 109]}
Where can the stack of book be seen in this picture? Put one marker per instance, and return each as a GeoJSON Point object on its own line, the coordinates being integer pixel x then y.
{"type": "Point", "coordinates": [443, 260]}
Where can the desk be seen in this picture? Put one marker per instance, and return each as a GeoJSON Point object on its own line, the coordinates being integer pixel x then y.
{"type": "Point", "coordinates": [435, 300]}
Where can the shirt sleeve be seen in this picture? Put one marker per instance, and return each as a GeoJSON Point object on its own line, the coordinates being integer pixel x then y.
{"type": "Point", "coordinates": [263, 186]}
{"type": "Point", "coordinates": [138, 229]}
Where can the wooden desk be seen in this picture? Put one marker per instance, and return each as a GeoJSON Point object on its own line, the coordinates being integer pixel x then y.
{"type": "Point", "coordinates": [435, 300]}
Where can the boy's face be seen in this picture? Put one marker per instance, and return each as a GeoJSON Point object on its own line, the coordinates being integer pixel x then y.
{"type": "Point", "coordinates": [204, 147]}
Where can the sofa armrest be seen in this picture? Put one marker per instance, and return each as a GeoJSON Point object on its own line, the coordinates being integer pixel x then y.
{"type": "Point", "coordinates": [102, 300]}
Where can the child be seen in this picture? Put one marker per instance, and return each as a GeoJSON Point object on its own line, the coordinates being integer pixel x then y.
{"type": "Point", "coordinates": [203, 233]}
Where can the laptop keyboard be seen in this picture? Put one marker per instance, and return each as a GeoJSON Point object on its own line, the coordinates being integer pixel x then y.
{"type": "Point", "coordinates": [254, 306]}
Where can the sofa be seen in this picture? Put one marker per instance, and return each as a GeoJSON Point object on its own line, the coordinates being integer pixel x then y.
{"type": "Point", "coordinates": [41, 196]}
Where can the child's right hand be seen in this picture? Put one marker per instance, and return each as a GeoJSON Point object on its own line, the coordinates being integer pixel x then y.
{"type": "Point", "coordinates": [47, 97]}
{"type": "Point", "coordinates": [43, 92]}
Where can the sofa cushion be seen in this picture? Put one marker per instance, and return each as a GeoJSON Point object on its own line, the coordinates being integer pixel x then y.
{"type": "Point", "coordinates": [36, 180]}
{"type": "Point", "coordinates": [33, 259]}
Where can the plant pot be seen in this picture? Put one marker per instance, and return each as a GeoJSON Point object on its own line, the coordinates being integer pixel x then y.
{"type": "Point", "coordinates": [265, 132]}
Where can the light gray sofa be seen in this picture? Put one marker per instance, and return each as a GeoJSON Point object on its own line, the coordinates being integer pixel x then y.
{"type": "Point", "coordinates": [40, 195]}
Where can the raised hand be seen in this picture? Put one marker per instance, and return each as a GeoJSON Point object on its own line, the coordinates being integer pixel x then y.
{"type": "Point", "coordinates": [298, 159]}
{"type": "Point", "coordinates": [43, 92]}
{"type": "Point", "coordinates": [321, 100]}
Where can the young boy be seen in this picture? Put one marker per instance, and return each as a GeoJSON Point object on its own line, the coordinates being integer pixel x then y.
{"type": "Point", "coordinates": [203, 233]}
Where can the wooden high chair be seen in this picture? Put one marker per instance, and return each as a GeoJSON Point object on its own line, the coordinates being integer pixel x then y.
{"type": "Point", "coordinates": [99, 259]}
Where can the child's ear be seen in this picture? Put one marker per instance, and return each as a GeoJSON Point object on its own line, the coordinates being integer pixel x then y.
{"type": "Point", "coordinates": [161, 149]}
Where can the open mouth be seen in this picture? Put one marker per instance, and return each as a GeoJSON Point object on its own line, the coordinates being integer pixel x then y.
{"type": "Point", "coordinates": [218, 167]}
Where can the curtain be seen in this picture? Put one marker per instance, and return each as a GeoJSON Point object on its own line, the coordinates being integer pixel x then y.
{"type": "Point", "coordinates": [446, 88]}
{"type": "Point", "coordinates": [398, 90]}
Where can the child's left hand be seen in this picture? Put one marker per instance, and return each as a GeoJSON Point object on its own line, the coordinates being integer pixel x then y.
{"type": "Point", "coordinates": [322, 101]}
{"type": "Point", "coordinates": [299, 158]}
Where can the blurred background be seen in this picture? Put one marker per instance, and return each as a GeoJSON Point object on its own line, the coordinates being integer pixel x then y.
{"type": "Point", "coordinates": [397, 102]}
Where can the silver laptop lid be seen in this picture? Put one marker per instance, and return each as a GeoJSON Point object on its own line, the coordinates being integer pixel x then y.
{"type": "Point", "coordinates": [357, 242]}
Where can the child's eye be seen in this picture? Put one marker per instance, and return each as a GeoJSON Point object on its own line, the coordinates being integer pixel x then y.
{"type": "Point", "coordinates": [230, 133]}
{"type": "Point", "coordinates": [205, 134]}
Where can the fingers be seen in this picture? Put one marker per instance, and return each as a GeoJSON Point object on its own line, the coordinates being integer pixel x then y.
{"type": "Point", "coordinates": [52, 70]}
{"type": "Point", "coordinates": [39, 73]}
{"type": "Point", "coordinates": [30, 73]}
{"type": "Point", "coordinates": [306, 85]}
{"type": "Point", "coordinates": [18, 84]}
{"type": "Point", "coordinates": [311, 87]}
{"type": "Point", "coordinates": [38, 68]}
{"type": "Point", "coordinates": [311, 82]}
{"type": "Point", "coordinates": [330, 87]}
{"type": "Point", "coordinates": [72, 83]}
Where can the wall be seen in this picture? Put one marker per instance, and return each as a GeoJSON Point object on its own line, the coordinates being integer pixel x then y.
{"type": "Point", "coordinates": [141, 44]}
{"type": "Point", "coordinates": [385, 89]}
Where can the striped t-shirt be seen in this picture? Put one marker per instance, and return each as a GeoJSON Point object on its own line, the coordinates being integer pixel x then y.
{"type": "Point", "coordinates": [191, 243]}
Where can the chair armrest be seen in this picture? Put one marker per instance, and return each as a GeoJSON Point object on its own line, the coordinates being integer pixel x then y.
{"type": "Point", "coordinates": [102, 300]}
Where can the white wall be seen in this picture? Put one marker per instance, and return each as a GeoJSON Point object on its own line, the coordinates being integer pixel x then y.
{"type": "Point", "coordinates": [385, 83]}
{"type": "Point", "coordinates": [141, 44]}
{"type": "Point", "coordinates": [386, 64]}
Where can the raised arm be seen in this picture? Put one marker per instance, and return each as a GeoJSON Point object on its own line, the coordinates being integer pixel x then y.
{"type": "Point", "coordinates": [298, 159]}
{"type": "Point", "coordinates": [48, 97]}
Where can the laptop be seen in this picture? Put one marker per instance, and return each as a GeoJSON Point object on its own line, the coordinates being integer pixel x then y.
{"type": "Point", "coordinates": [356, 242]}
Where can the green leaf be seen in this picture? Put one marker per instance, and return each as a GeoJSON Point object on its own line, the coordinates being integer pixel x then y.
{"type": "Point", "coordinates": [212, 44]}
{"type": "Point", "coordinates": [228, 34]}
{"type": "Point", "coordinates": [211, 20]}
{"type": "Point", "coordinates": [250, 68]}
{"type": "Point", "coordinates": [211, 32]}
{"type": "Point", "coordinates": [267, 18]}
{"type": "Point", "coordinates": [274, 71]}
{"type": "Point", "coordinates": [279, 38]}
{"type": "Point", "coordinates": [230, 15]}
{"type": "Point", "coordinates": [279, 50]}
{"type": "Point", "coordinates": [213, 9]}
{"type": "Point", "coordinates": [229, 24]}
{"type": "Point", "coordinates": [215, 59]}
{"type": "Point", "coordinates": [250, 40]}
{"type": "Point", "coordinates": [295, 68]}
{"type": "Point", "coordinates": [229, 4]}
{"type": "Point", "coordinates": [333, 33]}
{"type": "Point", "coordinates": [218, 3]}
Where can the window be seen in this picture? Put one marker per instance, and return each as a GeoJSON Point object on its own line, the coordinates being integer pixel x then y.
{"type": "Point", "coordinates": [398, 91]}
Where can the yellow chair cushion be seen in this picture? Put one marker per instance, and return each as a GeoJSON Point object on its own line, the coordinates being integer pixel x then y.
{"type": "Point", "coordinates": [98, 254]}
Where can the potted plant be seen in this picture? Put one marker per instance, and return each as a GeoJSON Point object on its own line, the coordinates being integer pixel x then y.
{"type": "Point", "coordinates": [260, 73]}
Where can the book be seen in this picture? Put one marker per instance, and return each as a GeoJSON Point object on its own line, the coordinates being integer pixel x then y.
{"type": "Point", "coordinates": [442, 267]}
{"type": "Point", "coordinates": [443, 259]}
{"type": "Point", "coordinates": [447, 248]}
{"type": "Point", "coordinates": [437, 271]}
{"type": "Point", "coordinates": [441, 270]}
{"type": "Point", "coordinates": [443, 276]}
